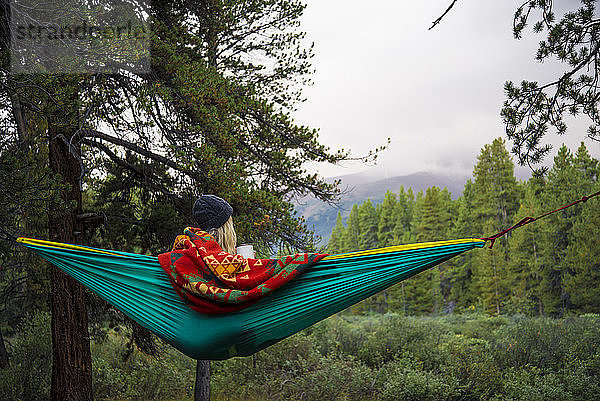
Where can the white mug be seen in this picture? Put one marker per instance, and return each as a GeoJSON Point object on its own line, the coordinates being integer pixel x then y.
{"type": "Point", "coordinates": [246, 250]}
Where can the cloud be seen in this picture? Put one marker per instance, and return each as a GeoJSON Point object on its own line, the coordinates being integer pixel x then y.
{"type": "Point", "coordinates": [437, 94]}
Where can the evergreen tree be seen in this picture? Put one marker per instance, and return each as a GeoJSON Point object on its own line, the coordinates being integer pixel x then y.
{"type": "Point", "coordinates": [404, 217]}
{"type": "Point", "coordinates": [495, 202]}
{"type": "Point", "coordinates": [336, 242]}
{"type": "Point", "coordinates": [581, 256]}
{"type": "Point", "coordinates": [524, 267]}
{"type": "Point", "coordinates": [368, 223]}
{"type": "Point", "coordinates": [435, 215]}
{"type": "Point", "coordinates": [352, 234]}
{"type": "Point", "coordinates": [387, 220]}
{"type": "Point", "coordinates": [564, 183]}
{"type": "Point", "coordinates": [460, 270]}
{"type": "Point", "coordinates": [423, 292]}
{"type": "Point", "coordinates": [588, 167]}
{"type": "Point", "coordinates": [533, 109]}
{"type": "Point", "coordinates": [530, 272]}
{"type": "Point", "coordinates": [368, 226]}
{"type": "Point", "coordinates": [214, 111]}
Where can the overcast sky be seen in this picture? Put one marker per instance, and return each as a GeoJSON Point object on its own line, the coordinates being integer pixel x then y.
{"type": "Point", "coordinates": [437, 94]}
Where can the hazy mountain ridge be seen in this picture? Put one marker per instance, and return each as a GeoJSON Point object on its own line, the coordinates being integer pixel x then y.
{"type": "Point", "coordinates": [359, 187]}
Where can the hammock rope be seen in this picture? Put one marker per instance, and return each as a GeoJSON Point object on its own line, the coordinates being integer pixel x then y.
{"type": "Point", "coordinates": [527, 220]}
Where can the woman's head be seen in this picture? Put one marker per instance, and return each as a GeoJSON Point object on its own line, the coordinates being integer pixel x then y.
{"type": "Point", "coordinates": [213, 215]}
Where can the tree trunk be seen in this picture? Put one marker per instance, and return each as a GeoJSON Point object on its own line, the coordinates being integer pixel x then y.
{"type": "Point", "coordinates": [3, 354]}
{"type": "Point", "coordinates": [71, 357]}
{"type": "Point", "coordinates": [202, 389]}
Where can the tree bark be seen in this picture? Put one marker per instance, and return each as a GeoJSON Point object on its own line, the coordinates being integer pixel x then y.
{"type": "Point", "coordinates": [71, 356]}
{"type": "Point", "coordinates": [202, 389]}
{"type": "Point", "coordinates": [4, 363]}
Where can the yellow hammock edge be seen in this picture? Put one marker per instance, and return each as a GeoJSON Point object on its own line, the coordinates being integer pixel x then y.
{"type": "Point", "coordinates": [399, 248]}
{"type": "Point", "coordinates": [62, 245]}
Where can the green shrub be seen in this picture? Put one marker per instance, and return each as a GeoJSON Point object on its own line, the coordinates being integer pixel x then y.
{"type": "Point", "coordinates": [534, 384]}
{"type": "Point", "coordinates": [29, 374]}
{"type": "Point", "coordinates": [405, 381]}
{"type": "Point", "coordinates": [335, 378]}
{"type": "Point", "coordinates": [138, 376]}
{"type": "Point", "coordinates": [547, 343]}
{"type": "Point", "coordinates": [472, 365]}
{"type": "Point", "coordinates": [345, 334]}
{"type": "Point", "coordinates": [397, 335]}
{"type": "Point", "coordinates": [266, 374]}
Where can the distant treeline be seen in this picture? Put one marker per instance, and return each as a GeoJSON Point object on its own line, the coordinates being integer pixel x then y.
{"type": "Point", "coordinates": [550, 267]}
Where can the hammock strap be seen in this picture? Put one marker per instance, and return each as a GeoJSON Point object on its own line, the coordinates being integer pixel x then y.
{"type": "Point", "coordinates": [527, 220]}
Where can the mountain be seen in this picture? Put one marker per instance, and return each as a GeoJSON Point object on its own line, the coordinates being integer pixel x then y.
{"type": "Point", "coordinates": [357, 188]}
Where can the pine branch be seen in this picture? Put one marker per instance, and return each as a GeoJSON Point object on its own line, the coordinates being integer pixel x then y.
{"type": "Point", "coordinates": [153, 179]}
{"type": "Point", "coordinates": [137, 149]}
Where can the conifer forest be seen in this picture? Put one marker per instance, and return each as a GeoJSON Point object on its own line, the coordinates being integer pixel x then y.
{"type": "Point", "coordinates": [547, 268]}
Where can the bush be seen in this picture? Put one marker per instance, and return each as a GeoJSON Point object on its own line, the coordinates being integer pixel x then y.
{"type": "Point", "coordinates": [533, 384]}
{"type": "Point", "coordinates": [139, 376]}
{"type": "Point", "coordinates": [345, 334]}
{"type": "Point", "coordinates": [396, 336]}
{"type": "Point", "coordinates": [547, 343]}
{"type": "Point", "coordinates": [408, 383]}
{"type": "Point", "coordinates": [29, 374]}
{"type": "Point", "coordinates": [267, 374]}
{"type": "Point", "coordinates": [335, 378]}
{"type": "Point", "coordinates": [472, 365]}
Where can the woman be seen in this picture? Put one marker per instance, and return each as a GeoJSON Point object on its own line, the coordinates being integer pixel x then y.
{"type": "Point", "coordinates": [208, 274]}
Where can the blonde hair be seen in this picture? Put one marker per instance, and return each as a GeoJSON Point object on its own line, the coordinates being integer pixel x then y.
{"type": "Point", "coordinates": [225, 236]}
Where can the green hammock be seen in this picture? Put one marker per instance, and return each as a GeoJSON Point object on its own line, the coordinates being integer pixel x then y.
{"type": "Point", "coordinates": [138, 287]}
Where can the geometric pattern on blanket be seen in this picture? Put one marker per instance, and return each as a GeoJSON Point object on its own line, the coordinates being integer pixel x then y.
{"type": "Point", "coordinates": [211, 280]}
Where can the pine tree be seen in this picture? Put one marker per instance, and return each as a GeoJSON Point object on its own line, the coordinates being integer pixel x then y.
{"type": "Point", "coordinates": [422, 292]}
{"type": "Point", "coordinates": [496, 195]}
{"type": "Point", "coordinates": [460, 271]}
{"type": "Point", "coordinates": [405, 208]}
{"type": "Point", "coordinates": [368, 239]}
{"type": "Point", "coordinates": [214, 110]}
{"type": "Point", "coordinates": [387, 220]}
{"type": "Point", "coordinates": [564, 183]}
{"type": "Point", "coordinates": [583, 254]}
{"type": "Point", "coordinates": [351, 237]}
{"type": "Point", "coordinates": [588, 167]}
{"type": "Point", "coordinates": [336, 242]}
{"type": "Point", "coordinates": [368, 222]}
{"type": "Point", "coordinates": [403, 217]}
{"type": "Point", "coordinates": [524, 267]}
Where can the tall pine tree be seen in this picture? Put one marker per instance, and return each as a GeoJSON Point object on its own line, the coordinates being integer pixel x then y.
{"type": "Point", "coordinates": [387, 220]}
{"type": "Point", "coordinates": [495, 203]}
{"type": "Point", "coordinates": [336, 242]}
{"type": "Point", "coordinates": [583, 253]}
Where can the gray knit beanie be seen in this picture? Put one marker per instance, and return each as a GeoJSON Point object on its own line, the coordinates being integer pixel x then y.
{"type": "Point", "coordinates": [210, 212]}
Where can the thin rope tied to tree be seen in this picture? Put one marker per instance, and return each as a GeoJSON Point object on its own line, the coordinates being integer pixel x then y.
{"type": "Point", "coordinates": [527, 220]}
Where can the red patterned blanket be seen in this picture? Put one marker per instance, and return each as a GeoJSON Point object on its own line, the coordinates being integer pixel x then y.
{"type": "Point", "coordinates": [211, 280]}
